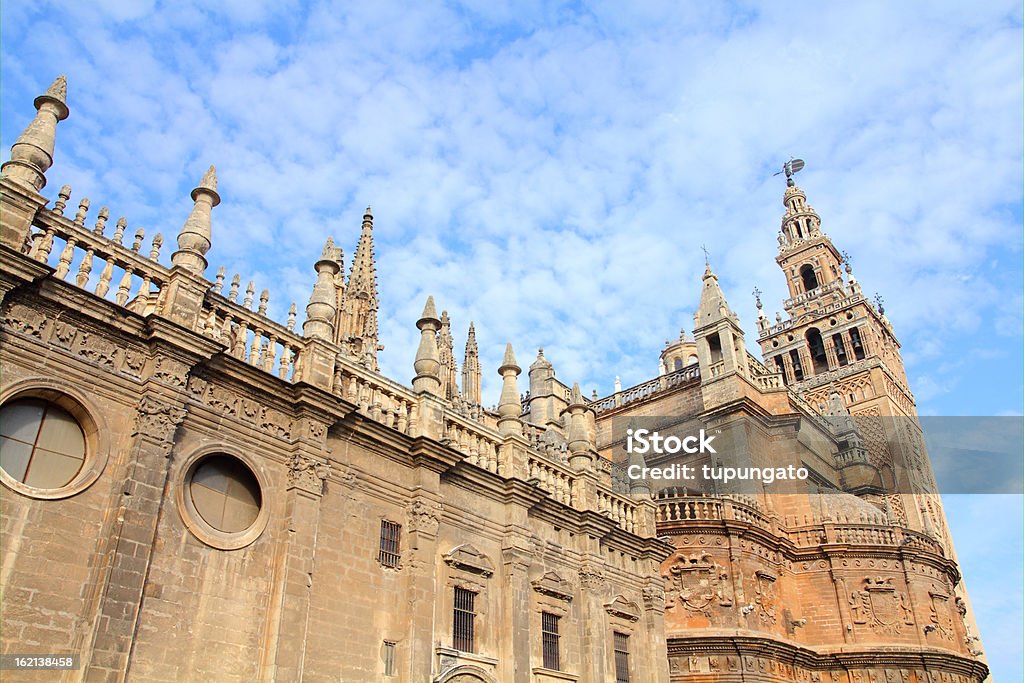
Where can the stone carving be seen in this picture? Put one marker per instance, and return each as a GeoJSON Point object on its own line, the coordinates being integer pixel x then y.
{"type": "Point", "coordinates": [275, 422]}
{"type": "Point", "coordinates": [170, 371]}
{"type": "Point", "coordinates": [654, 598]}
{"type": "Point", "coordinates": [698, 583]}
{"type": "Point", "coordinates": [97, 349]}
{"type": "Point", "coordinates": [424, 517]}
{"type": "Point", "coordinates": [881, 606]}
{"type": "Point", "coordinates": [591, 577]}
{"type": "Point", "coordinates": [764, 596]}
{"type": "Point", "coordinates": [307, 474]}
{"type": "Point", "coordinates": [623, 609]}
{"type": "Point", "coordinates": [467, 558]}
{"type": "Point", "coordinates": [157, 420]}
{"type": "Point", "coordinates": [26, 320]}
{"type": "Point", "coordinates": [553, 586]}
{"type": "Point", "coordinates": [226, 401]}
{"type": "Point", "coordinates": [940, 613]}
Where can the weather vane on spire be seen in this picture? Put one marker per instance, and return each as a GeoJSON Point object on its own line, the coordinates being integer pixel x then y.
{"type": "Point", "coordinates": [707, 255]}
{"type": "Point", "coordinates": [757, 296]}
{"type": "Point", "coordinates": [789, 168]}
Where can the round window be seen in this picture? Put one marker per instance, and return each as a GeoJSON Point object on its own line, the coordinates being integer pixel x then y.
{"type": "Point", "coordinates": [225, 493]}
{"type": "Point", "coordinates": [41, 444]}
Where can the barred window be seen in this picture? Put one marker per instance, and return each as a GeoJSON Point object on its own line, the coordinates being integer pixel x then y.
{"type": "Point", "coordinates": [390, 533]}
{"type": "Point", "coordinates": [621, 658]}
{"type": "Point", "coordinates": [549, 635]}
{"type": "Point", "coordinates": [462, 635]}
{"type": "Point", "coordinates": [389, 658]}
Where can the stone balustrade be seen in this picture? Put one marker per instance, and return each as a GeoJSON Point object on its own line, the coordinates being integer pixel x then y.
{"type": "Point", "coordinates": [69, 245]}
{"type": "Point", "coordinates": [647, 389]}
{"type": "Point", "coordinates": [479, 444]}
{"type": "Point", "coordinates": [375, 396]}
{"type": "Point", "coordinates": [557, 480]}
{"type": "Point", "coordinates": [619, 509]}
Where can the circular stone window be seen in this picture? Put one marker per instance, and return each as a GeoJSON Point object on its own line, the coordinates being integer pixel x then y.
{"type": "Point", "coordinates": [41, 444]}
{"type": "Point", "coordinates": [223, 501]}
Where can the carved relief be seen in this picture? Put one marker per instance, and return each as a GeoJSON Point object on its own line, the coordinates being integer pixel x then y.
{"type": "Point", "coordinates": [940, 613]}
{"type": "Point", "coordinates": [424, 516]}
{"type": "Point", "coordinates": [307, 474]}
{"type": "Point", "coordinates": [97, 349]}
{"type": "Point", "coordinates": [275, 422]}
{"type": "Point", "coordinates": [157, 420]}
{"type": "Point", "coordinates": [698, 583]}
{"type": "Point", "coordinates": [591, 577]}
{"type": "Point", "coordinates": [25, 320]}
{"type": "Point", "coordinates": [654, 598]}
{"type": "Point", "coordinates": [881, 606]}
{"type": "Point", "coordinates": [764, 596]}
{"type": "Point", "coordinates": [227, 402]}
{"type": "Point", "coordinates": [170, 371]}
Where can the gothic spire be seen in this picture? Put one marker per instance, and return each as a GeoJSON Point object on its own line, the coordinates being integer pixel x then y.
{"type": "Point", "coordinates": [446, 350]}
{"type": "Point", "coordinates": [358, 314]}
{"type": "Point", "coordinates": [713, 305]}
{"type": "Point", "coordinates": [32, 152]}
{"type": "Point", "coordinates": [471, 369]}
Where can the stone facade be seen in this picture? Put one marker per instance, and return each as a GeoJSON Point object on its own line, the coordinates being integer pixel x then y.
{"type": "Point", "coordinates": [396, 533]}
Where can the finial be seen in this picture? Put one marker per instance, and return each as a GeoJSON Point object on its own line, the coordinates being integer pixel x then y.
{"type": "Point", "coordinates": [880, 303]}
{"type": "Point", "coordinates": [708, 273]}
{"type": "Point", "coordinates": [509, 404]}
{"type": "Point", "coordinates": [428, 360]}
{"type": "Point", "coordinates": [122, 225]}
{"type": "Point", "coordinates": [429, 311]}
{"type": "Point", "coordinates": [250, 292]}
{"type": "Point", "coordinates": [236, 282]}
{"type": "Point", "coordinates": [63, 195]}
{"type": "Point", "coordinates": [789, 168]}
{"type": "Point", "coordinates": [218, 286]}
{"type": "Point", "coordinates": [707, 256]}
{"type": "Point", "coordinates": [509, 360]}
{"type": "Point", "coordinates": [83, 209]}
{"type": "Point", "coordinates": [154, 251]}
{"type": "Point", "coordinates": [140, 234]}
{"type": "Point", "coordinates": [291, 317]}
{"type": "Point", "coordinates": [194, 238]}
{"type": "Point", "coordinates": [101, 221]}
{"type": "Point", "coordinates": [264, 298]}
{"type": "Point", "coordinates": [618, 384]}
{"type": "Point", "coordinates": [757, 298]}
{"type": "Point", "coordinates": [32, 152]}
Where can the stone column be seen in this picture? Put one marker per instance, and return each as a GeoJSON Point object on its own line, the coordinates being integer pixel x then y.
{"type": "Point", "coordinates": [423, 520]}
{"type": "Point", "coordinates": [594, 633]}
{"type": "Point", "coordinates": [160, 411]}
{"type": "Point", "coordinates": [516, 622]}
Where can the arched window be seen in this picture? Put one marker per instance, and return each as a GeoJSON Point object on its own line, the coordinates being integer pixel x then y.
{"type": "Point", "coordinates": [692, 359]}
{"type": "Point", "coordinates": [817, 348]}
{"type": "Point", "coordinates": [41, 444]}
{"type": "Point", "coordinates": [715, 347]}
{"type": "Point", "coordinates": [855, 342]}
{"type": "Point", "coordinates": [809, 278]}
{"type": "Point", "coordinates": [678, 365]}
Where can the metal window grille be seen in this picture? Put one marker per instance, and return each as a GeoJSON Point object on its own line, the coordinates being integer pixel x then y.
{"type": "Point", "coordinates": [549, 636]}
{"type": "Point", "coordinates": [390, 533]}
{"type": "Point", "coordinates": [621, 658]}
{"type": "Point", "coordinates": [389, 658]}
{"type": "Point", "coordinates": [462, 632]}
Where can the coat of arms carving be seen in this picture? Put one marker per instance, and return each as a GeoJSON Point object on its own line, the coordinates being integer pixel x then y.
{"type": "Point", "coordinates": [698, 583]}
{"type": "Point", "coordinates": [881, 606]}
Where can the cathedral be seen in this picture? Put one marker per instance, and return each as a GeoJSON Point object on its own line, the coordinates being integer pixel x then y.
{"type": "Point", "coordinates": [193, 491]}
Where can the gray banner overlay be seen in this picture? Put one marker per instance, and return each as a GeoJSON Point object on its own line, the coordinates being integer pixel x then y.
{"type": "Point", "coordinates": [861, 454]}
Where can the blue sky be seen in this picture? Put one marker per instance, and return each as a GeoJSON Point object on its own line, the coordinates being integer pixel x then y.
{"type": "Point", "coordinates": [551, 171]}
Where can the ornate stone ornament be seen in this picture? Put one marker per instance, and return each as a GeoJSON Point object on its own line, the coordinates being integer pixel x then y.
{"type": "Point", "coordinates": [881, 606]}
{"type": "Point", "coordinates": [467, 558]}
{"type": "Point", "coordinates": [622, 608]}
{"type": "Point", "coordinates": [553, 586]}
{"type": "Point", "coordinates": [157, 420]}
{"type": "Point", "coordinates": [423, 516]}
{"type": "Point", "coordinates": [764, 596]}
{"type": "Point", "coordinates": [697, 583]}
{"type": "Point", "coordinates": [307, 474]}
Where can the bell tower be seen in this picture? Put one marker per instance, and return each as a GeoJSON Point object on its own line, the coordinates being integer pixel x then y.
{"type": "Point", "coordinates": [832, 339]}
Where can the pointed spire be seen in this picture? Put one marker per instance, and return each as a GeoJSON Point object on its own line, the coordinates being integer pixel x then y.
{"type": "Point", "coordinates": [428, 363]}
{"type": "Point", "coordinates": [194, 238]}
{"type": "Point", "coordinates": [321, 311]}
{"type": "Point", "coordinates": [580, 446]}
{"type": "Point", "coordinates": [446, 351]}
{"type": "Point", "coordinates": [32, 152]}
{"type": "Point", "coordinates": [358, 314]}
{"type": "Point", "coordinates": [509, 406]}
{"type": "Point", "coordinates": [713, 305]}
{"type": "Point", "coordinates": [471, 375]}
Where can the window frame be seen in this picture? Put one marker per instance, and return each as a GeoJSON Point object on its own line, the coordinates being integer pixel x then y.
{"type": "Point", "coordinates": [468, 620]}
{"type": "Point", "coordinates": [389, 553]}
{"type": "Point", "coordinates": [90, 419]}
{"type": "Point", "coordinates": [620, 676]}
{"type": "Point", "coordinates": [194, 521]}
{"type": "Point", "coordinates": [550, 641]}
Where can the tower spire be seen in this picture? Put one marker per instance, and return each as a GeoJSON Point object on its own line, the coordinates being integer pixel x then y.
{"type": "Point", "coordinates": [358, 315]}
{"type": "Point", "coordinates": [446, 350]}
{"type": "Point", "coordinates": [471, 375]}
{"type": "Point", "coordinates": [32, 152]}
